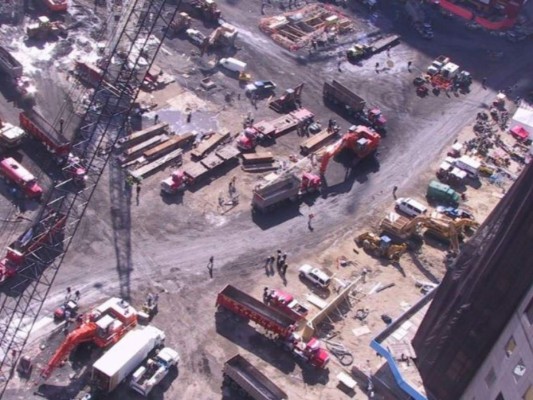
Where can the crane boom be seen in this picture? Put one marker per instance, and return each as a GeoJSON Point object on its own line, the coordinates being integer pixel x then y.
{"type": "Point", "coordinates": [102, 123]}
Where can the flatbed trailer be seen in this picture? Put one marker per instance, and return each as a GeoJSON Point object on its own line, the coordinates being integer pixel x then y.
{"type": "Point", "coordinates": [37, 126]}
{"type": "Point", "coordinates": [172, 143]}
{"type": "Point", "coordinates": [196, 171]}
{"type": "Point", "coordinates": [238, 371]}
{"type": "Point", "coordinates": [254, 158]}
{"type": "Point", "coordinates": [175, 156]}
{"type": "Point", "coordinates": [282, 125]}
{"type": "Point", "coordinates": [208, 145]}
{"type": "Point", "coordinates": [250, 308]}
{"type": "Point", "coordinates": [384, 43]}
{"type": "Point", "coordinates": [317, 141]}
{"type": "Point", "coordinates": [138, 150]}
{"type": "Point", "coordinates": [141, 136]}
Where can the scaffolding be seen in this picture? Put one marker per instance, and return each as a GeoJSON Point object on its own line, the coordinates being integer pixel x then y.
{"type": "Point", "coordinates": [297, 29]}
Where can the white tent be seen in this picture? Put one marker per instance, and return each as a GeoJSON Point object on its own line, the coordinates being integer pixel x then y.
{"type": "Point", "coordinates": [524, 117]}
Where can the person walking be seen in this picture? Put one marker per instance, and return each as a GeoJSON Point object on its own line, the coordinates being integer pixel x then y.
{"type": "Point", "coordinates": [484, 83]}
{"type": "Point", "coordinates": [310, 222]}
{"type": "Point", "coordinates": [284, 269]}
{"type": "Point", "coordinates": [409, 63]}
{"type": "Point", "coordinates": [210, 265]}
{"type": "Point", "coordinates": [394, 189]}
{"type": "Point", "coordinates": [189, 117]}
{"type": "Point", "coordinates": [278, 258]}
{"type": "Point", "coordinates": [377, 66]}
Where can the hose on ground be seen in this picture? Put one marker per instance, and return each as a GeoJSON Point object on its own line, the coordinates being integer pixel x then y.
{"type": "Point", "coordinates": [341, 353]}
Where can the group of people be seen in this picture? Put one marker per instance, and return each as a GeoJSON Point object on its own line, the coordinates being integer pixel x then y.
{"type": "Point", "coordinates": [280, 259]}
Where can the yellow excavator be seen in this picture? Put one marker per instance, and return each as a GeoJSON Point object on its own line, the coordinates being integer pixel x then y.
{"type": "Point", "coordinates": [446, 229]}
{"type": "Point", "coordinates": [380, 246]}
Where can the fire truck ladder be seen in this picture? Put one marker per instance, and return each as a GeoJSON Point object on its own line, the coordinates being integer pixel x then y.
{"type": "Point", "coordinates": [132, 52]}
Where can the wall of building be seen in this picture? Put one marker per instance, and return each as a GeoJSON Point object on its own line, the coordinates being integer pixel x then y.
{"type": "Point", "coordinates": [478, 297]}
{"type": "Point", "coordinates": [496, 376]}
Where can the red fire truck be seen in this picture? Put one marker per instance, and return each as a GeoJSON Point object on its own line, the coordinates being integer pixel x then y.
{"type": "Point", "coordinates": [57, 144]}
{"type": "Point", "coordinates": [39, 233]}
{"type": "Point", "coordinates": [278, 324]}
{"type": "Point", "coordinates": [16, 174]}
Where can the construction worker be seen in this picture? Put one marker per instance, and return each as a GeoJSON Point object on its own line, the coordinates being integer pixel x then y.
{"type": "Point", "coordinates": [284, 269]}
{"type": "Point", "coordinates": [210, 266]}
{"type": "Point", "coordinates": [278, 258]}
{"type": "Point", "coordinates": [309, 221]}
{"type": "Point", "coordinates": [156, 119]}
{"type": "Point", "coordinates": [409, 63]}
{"type": "Point", "coordinates": [189, 117]}
{"type": "Point", "coordinates": [394, 189]}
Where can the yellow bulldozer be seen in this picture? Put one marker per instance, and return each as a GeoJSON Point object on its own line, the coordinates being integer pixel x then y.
{"type": "Point", "coordinates": [380, 246]}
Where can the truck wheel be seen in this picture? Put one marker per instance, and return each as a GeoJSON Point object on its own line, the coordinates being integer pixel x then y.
{"type": "Point", "coordinates": [301, 275]}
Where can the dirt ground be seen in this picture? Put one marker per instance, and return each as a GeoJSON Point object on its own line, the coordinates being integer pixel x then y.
{"type": "Point", "coordinates": [170, 240]}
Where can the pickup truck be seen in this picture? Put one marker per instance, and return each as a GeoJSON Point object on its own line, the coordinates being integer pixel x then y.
{"type": "Point", "coordinates": [260, 88]}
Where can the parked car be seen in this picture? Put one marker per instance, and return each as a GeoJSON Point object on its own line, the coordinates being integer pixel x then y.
{"type": "Point", "coordinates": [454, 213]}
{"type": "Point", "coordinates": [315, 275]}
{"type": "Point", "coordinates": [410, 206]}
{"type": "Point", "coordinates": [195, 36]}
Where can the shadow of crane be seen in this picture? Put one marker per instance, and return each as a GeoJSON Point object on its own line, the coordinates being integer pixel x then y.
{"type": "Point", "coordinates": [120, 197]}
{"type": "Point", "coordinates": [423, 269]}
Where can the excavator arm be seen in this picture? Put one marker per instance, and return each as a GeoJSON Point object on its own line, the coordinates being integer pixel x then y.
{"type": "Point", "coordinates": [85, 333]}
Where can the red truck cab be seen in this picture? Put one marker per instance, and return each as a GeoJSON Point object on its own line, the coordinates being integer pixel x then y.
{"type": "Point", "coordinates": [16, 173]}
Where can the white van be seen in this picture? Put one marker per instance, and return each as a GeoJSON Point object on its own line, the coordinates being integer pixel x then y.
{"type": "Point", "coordinates": [410, 207]}
{"type": "Point", "coordinates": [233, 64]}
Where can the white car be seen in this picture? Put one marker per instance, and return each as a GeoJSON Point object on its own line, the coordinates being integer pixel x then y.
{"type": "Point", "coordinates": [315, 275]}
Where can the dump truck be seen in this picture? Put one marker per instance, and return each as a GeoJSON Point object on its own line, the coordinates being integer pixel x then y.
{"type": "Point", "coordinates": [154, 371]}
{"type": "Point", "coordinates": [40, 232]}
{"type": "Point", "coordinates": [288, 187]}
{"type": "Point", "coordinates": [10, 135]}
{"type": "Point", "coordinates": [275, 323]}
{"type": "Point", "coordinates": [247, 381]}
{"type": "Point", "coordinates": [12, 68]}
{"type": "Point", "coordinates": [442, 193]}
{"type": "Point", "coordinates": [12, 172]}
{"type": "Point", "coordinates": [119, 361]}
{"type": "Point", "coordinates": [285, 302]}
{"type": "Point", "coordinates": [337, 95]}
{"type": "Point", "coordinates": [56, 143]}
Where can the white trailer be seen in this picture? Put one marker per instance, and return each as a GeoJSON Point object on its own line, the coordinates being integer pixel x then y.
{"type": "Point", "coordinates": [149, 375]}
{"type": "Point", "coordinates": [469, 165]}
{"type": "Point", "coordinates": [119, 361]}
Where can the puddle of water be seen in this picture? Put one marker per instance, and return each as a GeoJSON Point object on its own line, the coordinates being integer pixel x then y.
{"type": "Point", "coordinates": [201, 121]}
{"type": "Point", "coordinates": [216, 220]}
